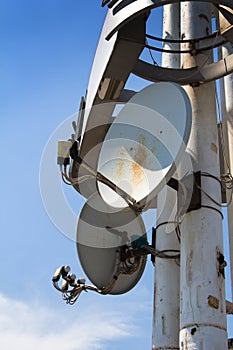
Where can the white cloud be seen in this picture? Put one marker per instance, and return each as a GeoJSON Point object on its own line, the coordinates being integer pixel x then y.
{"type": "Point", "coordinates": [29, 326]}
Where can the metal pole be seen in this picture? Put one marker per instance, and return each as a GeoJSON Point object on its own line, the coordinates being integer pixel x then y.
{"type": "Point", "coordinates": [202, 306]}
{"type": "Point", "coordinates": [167, 272]}
{"type": "Point", "coordinates": [226, 95]}
{"type": "Point", "coordinates": [228, 131]}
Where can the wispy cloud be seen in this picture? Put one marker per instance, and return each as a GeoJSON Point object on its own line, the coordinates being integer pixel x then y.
{"type": "Point", "coordinates": [29, 326]}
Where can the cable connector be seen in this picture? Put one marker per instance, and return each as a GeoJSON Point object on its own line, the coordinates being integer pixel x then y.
{"type": "Point", "coordinates": [71, 289]}
{"type": "Point", "coordinates": [61, 271]}
{"type": "Point", "coordinates": [63, 154]}
{"type": "Point", "coordinates": [65, 285]}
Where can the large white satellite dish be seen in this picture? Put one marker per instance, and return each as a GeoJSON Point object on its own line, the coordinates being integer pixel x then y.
{"type": "Point", "coordinates": [102, 231]}
{"type": "Point", "coordinates": [145, 143]}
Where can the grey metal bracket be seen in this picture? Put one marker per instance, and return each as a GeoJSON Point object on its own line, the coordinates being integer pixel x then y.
{"type": "Point", "coordinates": [125, 11]}
{"type": "Point", "coordinates": [188, 184]}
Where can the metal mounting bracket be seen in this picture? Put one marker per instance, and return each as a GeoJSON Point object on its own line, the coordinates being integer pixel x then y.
{"type": "Point", "coordinates": [188, 192]}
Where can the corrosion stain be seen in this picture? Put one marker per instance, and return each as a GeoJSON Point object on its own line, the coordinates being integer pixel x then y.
{"type": "Point", "coordinates": [213, 302]}
{"type": "Point", "coordinates": [189, 267]}
{"type": "Point", "coordinates": [214, 147]}
{"type": "Point", "coordinates": [139, 159]}
{"type": "Point", "coordinates": [120, 166]}
{"type": "Point", "coordinates": [137, 176]}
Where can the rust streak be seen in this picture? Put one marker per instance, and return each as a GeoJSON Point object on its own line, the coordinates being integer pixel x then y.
{"type": "Point", "coordinates": [137, 176]}
{"type": "Point", "coordinates": [120, 166]}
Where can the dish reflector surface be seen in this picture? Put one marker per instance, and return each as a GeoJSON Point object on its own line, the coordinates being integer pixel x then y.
{"type": "Point", "coordinates": [101, 231]}
{"type": "Point", "coordinates": [145, 142]}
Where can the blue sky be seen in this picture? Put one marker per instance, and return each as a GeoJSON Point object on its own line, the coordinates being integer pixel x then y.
{"type": "Point", "coordinates": [47, 48]}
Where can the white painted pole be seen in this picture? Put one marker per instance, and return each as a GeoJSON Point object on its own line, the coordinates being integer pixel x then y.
{"type": "Point", "coordinates": [203, 307]}
{"type": "Point", "coordinates": [167, 272]}
{"type": "Point", "coordinates": [226, 95]}
{"type": "Point", "coordinates": [228, 128]}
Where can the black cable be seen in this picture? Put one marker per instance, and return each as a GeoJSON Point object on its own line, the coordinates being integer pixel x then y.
{"type": "Point", "coordinates": [165, 223]}
{"type": "Point", "coordinates": [207, 48]}
{"type": "Point", "coordinates": [178, 233]}
{"type": "Point", "coordinates": [211, 176]}
{"type": "Point", "coordinates": [162, 254]}
{"type": "Point", "coordinates": [167, 51]}
{"type": "Point", "coordinates": [151, 55]}
{"type": "Point", "coordinates": [181, 41]}
{"type": "Point", "coordinates": [177, 229]}
{"type": "Point", "coordinates": [64, 180]}
{"type": "Point", "coordinates": [209, 207]}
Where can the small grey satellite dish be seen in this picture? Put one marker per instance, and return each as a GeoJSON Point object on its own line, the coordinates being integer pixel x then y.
{"type": "Point", "coordinates": [145, 143]}
{"type": "Point", "coordinates": [103, 233]}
